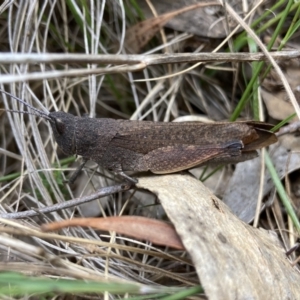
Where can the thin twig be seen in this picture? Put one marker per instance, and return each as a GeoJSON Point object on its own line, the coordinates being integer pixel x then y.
{"type": "Point", "coordinates": [77, 201]}
{"type": "Point", "coordinates": [149, 59]}
{"type": "Point", "coordinates": [124, 63]}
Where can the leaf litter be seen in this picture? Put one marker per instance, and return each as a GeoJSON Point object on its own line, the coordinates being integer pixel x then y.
{"type": "Point", "coordinates": [242, 200]}
{"type": "Point", "coordinates": [140, 34]}
{"type": "Point", "coordinates": [228, 254]}
{"type": "Point", "coordinates": [207, 23]}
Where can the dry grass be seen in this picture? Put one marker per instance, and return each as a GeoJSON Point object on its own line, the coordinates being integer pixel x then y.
{"type": "Point", "coordinates": [32, 168]}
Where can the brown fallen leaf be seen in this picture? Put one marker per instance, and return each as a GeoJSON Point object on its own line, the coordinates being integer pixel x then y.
{"type": "Point", "coordinates": [140, 34]}
{"type": "Point", "coordinates": [142, 228]}
{"type": "Point", "coordinates": [233, 260]}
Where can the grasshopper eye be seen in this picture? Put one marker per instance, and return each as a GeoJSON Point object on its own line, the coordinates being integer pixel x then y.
{"type": "Point", "coordinates": [60, 126]}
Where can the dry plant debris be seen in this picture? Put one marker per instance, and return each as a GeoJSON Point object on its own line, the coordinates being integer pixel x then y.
{"type": "Point", "coordinates": [274, 96]}
{"type": "Point", "coordinates": [232, 259]}
{"type": "Point", "coordinates": [140, 34]}
{"type": "Point", "coordinates": [208, 22]}
{"type": "Point", "coordinates": [240, 200]}
{"type": "Point", "coordinates": [154, 231]}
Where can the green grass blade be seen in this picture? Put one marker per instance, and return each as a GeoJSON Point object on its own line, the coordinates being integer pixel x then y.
{"type": "Point", "coordinates": [246, 95]}
{"type": "Point", "coordinates": [281, 192]}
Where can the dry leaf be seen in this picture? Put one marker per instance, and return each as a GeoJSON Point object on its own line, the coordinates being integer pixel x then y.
{"type": "Point", "coordinates": [242, 190]}
{"type": "Point", "coordinates": [278, 106]}
{"type": "Point", "coordinates": [208, 22]}
{"type": "Point", "coordinates": [232, 259]}
{"type": "Point", "coordinates": [275, 98]}
{"type": "Point", "coordinates": [140, 34]}
{"type": "Point", "coordinates": [152, 230]}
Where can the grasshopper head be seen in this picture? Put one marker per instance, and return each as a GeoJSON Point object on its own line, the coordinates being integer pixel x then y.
{"type": "Point", "coordinates": [63, 126]}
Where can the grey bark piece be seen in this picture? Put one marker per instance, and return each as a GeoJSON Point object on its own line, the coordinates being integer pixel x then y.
{"type": "Point", "coordinates": [233, 260]}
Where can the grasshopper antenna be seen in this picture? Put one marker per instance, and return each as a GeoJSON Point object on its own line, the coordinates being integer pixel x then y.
{"type": "Point", "coordinates": [38, 113]}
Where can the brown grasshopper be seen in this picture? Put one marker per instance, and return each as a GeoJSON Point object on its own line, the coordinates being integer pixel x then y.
{"type": "Point", "coordinates": [159, 147]}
